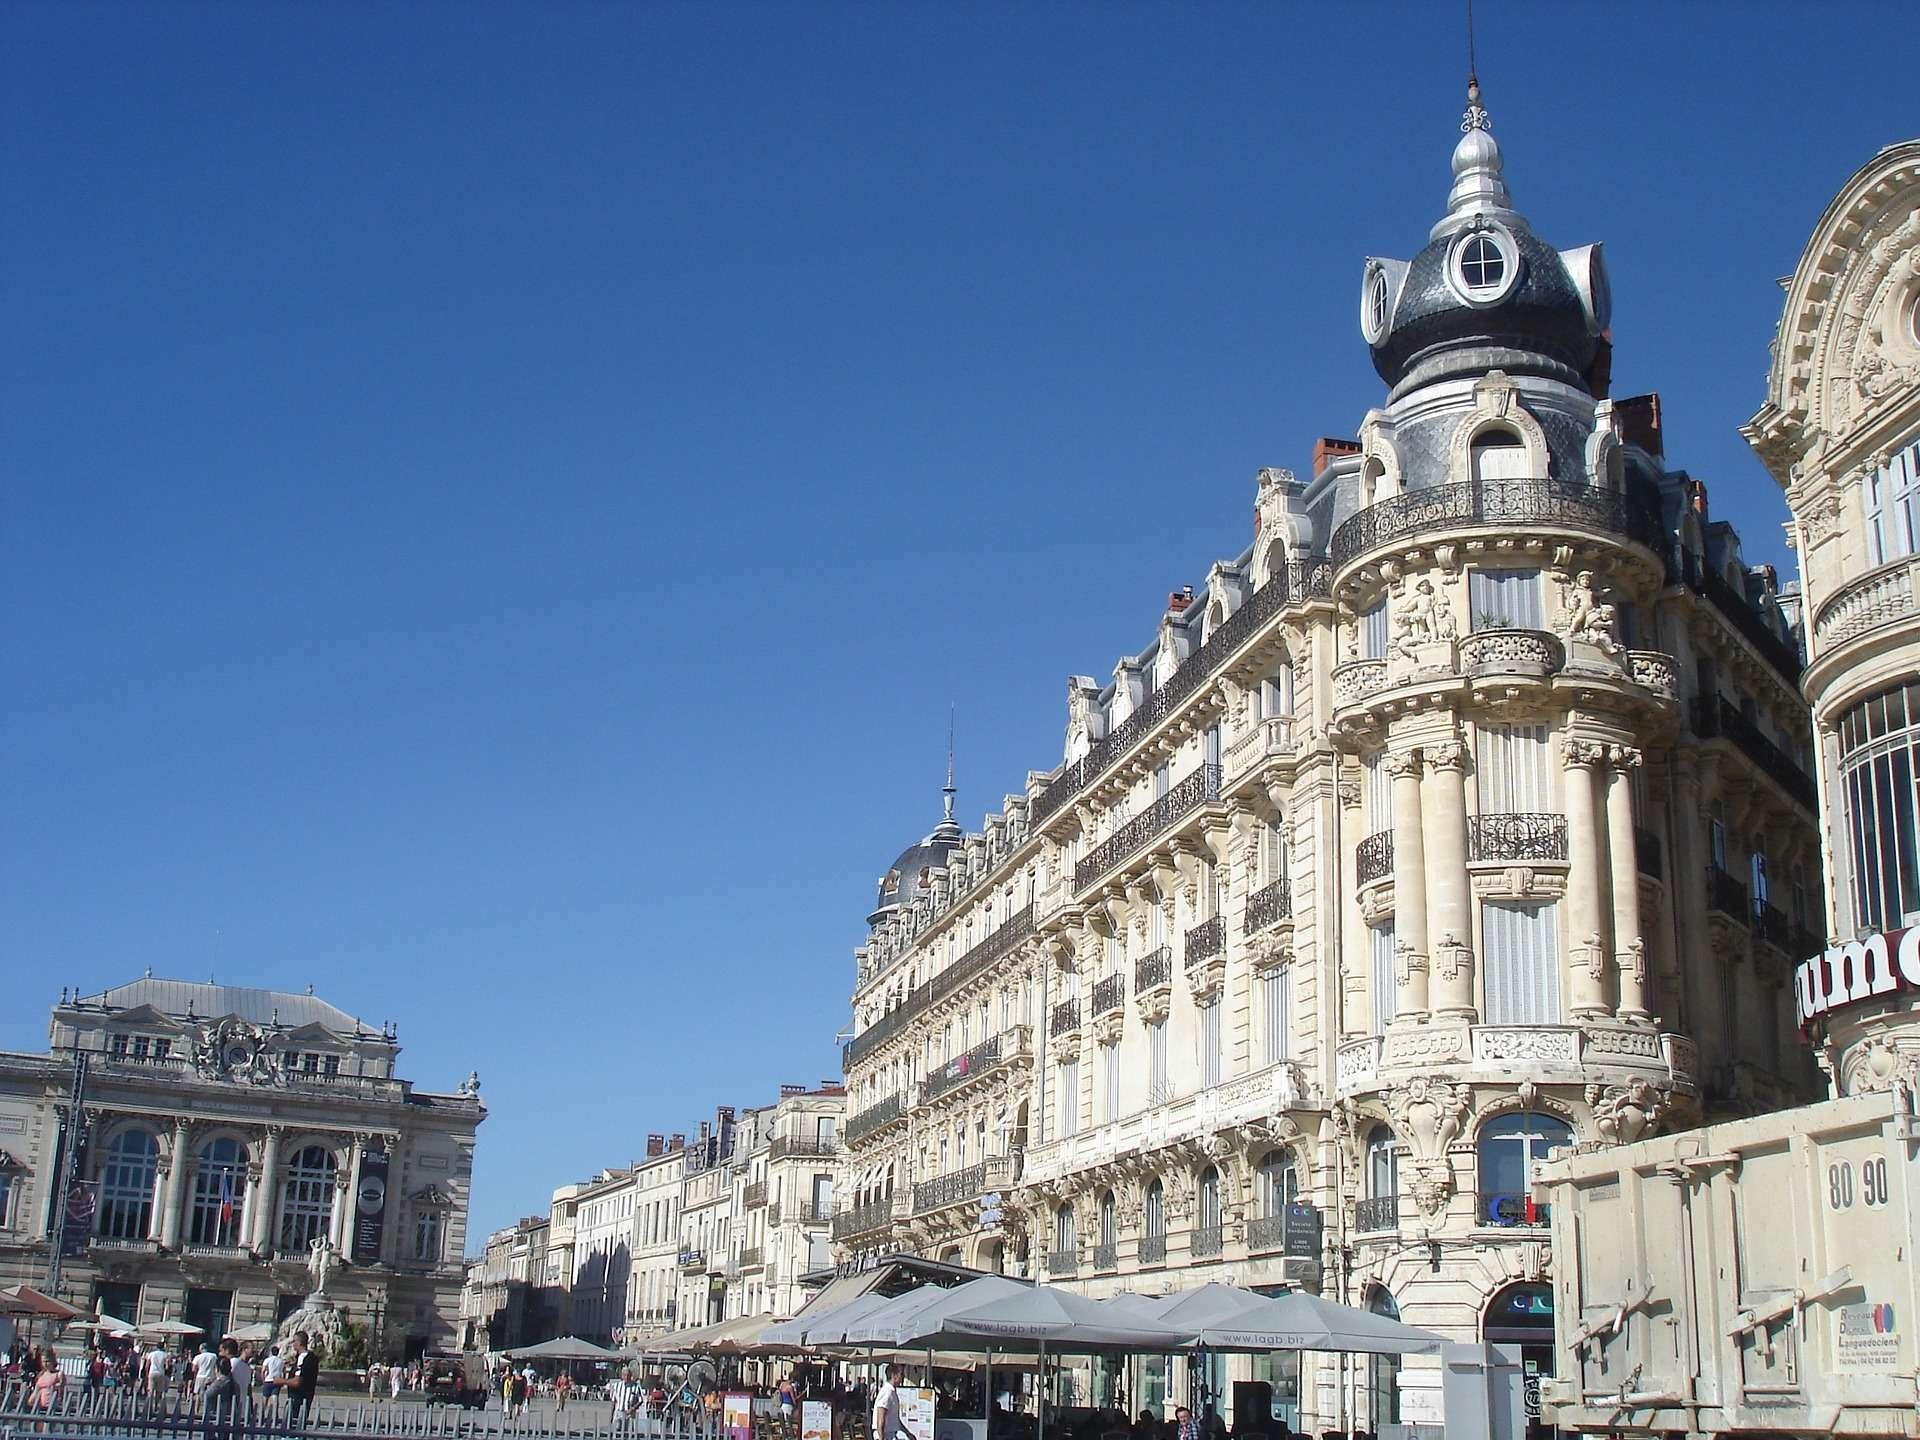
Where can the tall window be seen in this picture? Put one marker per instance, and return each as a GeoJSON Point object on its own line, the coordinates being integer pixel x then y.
{"type": "Point", "coordinates": [1276, 692]}
{"type": "Point", "coordinates": [1155, 1210]}
{"type": "Point", "coordinates": [1279, 1187]}
{"type": "Point", "coordinates": [306, 1205]}
{"type": "Point", "coordinates": [6, 1199]}
{"type": "Point", "coordinates": [1110, 1082]}
{"type": "Point", "coordinates": [126, 1186]}
{"type": "Point", "coordinates": [1275, 993]}
{"type": "Point", "coordinates": [1512, 769]}
{"type": "Point", "coordinates": [1879, 770]}
{"type": "Point", "coordinates": [1383, 1164]}
{"type": "Point", "coordinates": [219, 1194]}
{"type": "Point", "coordinates": [1159, 1087]}
{"type": "Point", "coordinates": [1210, 1043]}
{"type": "Point", "coordinates": [1064, 1240]}
{"type": "Point", "coordinates": [1509, 1146]}
{"type": "Point", "coordinates": [1893, 507]}
{"type": "Point", "coordinates": [1521, 946]}
{"type": "Point", "coordinates": [1505, 599]}
{"type": "Point", "coordinates": [1373, 632]}
{"type": "Point", "coordinates": [426, 1236]}
{"type": "Point", "coordinates": [1276, 849]}
{"type": "Point", "coordinates": [1109, 1225]}
{"type": "Point", "coordinates": [1209, 1218]}
{"type": "Point", "coordinates": [1380, 952]}
{"type": "Point", "coordinates": [1377, 793]}
{"type": "Point", "coordinates": [1068, 1100]}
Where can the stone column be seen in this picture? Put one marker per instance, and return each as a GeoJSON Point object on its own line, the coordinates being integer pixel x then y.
{"type": "Point", "coordinates": [1587, 951]}
{"type": "Point", "coordinates": [176, 1187]}
{"type": "Point", "coordinates": [266, 1201]}
{"type": "Point", "coordinates": [349, 1188]}
{"type": "Point", "coordinates": [1443, 819]}
{"type": "Point", "coordinates": [1629, 945]}
{"type": "Point", "coordinates": [1409, 886]}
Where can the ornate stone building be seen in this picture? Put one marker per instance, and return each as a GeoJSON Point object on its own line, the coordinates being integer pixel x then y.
{"type": "Point", "coordinates": [783, 1164]}
{"type": "Point", "coordinates": [1841, 433]}
{"type": "Point", "coordinates": [1463, 815]}
{"type": "Point", "coordinates": [226, 1132]}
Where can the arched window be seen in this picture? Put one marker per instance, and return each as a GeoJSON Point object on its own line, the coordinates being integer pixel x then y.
{"type": "Point", "coordinates": [126, 1186]}
{"type": "Point", "coordinates": [1383, 1163]}
{"type": "Point", "coordinates": [1156, 1210]}
{"type": "Point", "coordinates": [1108, 1223]}
{"type": "Point", "coordinates": [1210, 1199]}
{"type": "Point", "coordinates": [1279, 1186]}
{"type": "Point", "coordinates": [306, 1203]}
{"type": "Point", "coordinates": [1063, 1233]}
{"type": "Point", "coordinates": [1509, 1146]}
{"type": "Point", "coordinates": [219, 1194]}
{"type": "Point", "coordinates": [1499, 455]}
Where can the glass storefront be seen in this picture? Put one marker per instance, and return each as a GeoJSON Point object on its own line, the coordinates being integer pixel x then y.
{"type": "Point", "coordinates": [1879, 770]}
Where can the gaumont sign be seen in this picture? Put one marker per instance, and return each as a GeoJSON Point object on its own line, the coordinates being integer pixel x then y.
{"type": "Point", "coordinates": [1883, 964]}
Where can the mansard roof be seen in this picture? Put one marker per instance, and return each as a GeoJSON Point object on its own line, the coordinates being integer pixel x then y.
{"type": "Point", "coordinates": [179, 999]}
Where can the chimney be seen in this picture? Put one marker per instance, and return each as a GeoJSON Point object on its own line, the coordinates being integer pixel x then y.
{"type": "Point", "coordinates": [656, 1146]}
{"type": "Point", "coordinates": [1697, 499]}
{"type": "Point", "coordinates": [1178, 600]}
{"type": "Point", "coordinates": [676, 1142]}
{"type": "Point", "coordinates": [1638, 420]}
{"type": "Point", "coordinates": [786, 1090]}
{"type": "Point", "coordinates": [833, 1087]}
{"type": "Point", "coordinates": [1327, 449]}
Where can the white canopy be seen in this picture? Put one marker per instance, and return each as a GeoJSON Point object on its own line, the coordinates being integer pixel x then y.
{"type": "Point", "coordinates": [568, 1347]}
{"type": "Point", "coordinates": [1306, 1322]}
{"type": "Point", "coordinates": [1047, 1315]}
{"type": "Point", "coordinates": [829, 1327]}
{"type": "Point", "coordinates": [922, 1311]}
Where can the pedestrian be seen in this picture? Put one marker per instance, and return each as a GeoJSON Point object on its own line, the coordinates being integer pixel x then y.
{"type": "Point", "coordinates": [219, 1398]}
{"type": "Point", "coordinates": [562, 1387]}
{"type": "Point", "coordinates": [887, 1422]}
{"type": "Point", "coordinates": [303, 1379]}
{"type": "Point", "coordinates": [50, 1384]}
{"type": "Point", "coordinates": [1185, 1426]}
{"type": "Point", "coordinates": [241, 1369]}
{"type": "Point", "coordinates": [272, 1373]}
{"type": "Point", "coordinates": [396, 1378]}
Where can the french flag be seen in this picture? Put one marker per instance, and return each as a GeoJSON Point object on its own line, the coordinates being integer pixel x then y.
{"type": "Point", "coordinates": [226, 1198]}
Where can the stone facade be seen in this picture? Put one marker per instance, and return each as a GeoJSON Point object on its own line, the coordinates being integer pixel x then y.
{"type": "Point", "coordinates": [783, 1163]}
{"type": "Point", "coordinates": [1462, 816]}
{"type": "Point", "coordinates": [225, 1132]}
{"type": "Point", "coordinates": [1840, 431]}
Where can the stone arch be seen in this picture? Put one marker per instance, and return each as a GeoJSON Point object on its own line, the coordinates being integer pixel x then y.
{"type": "Point", "coordinates": [1497, 407]}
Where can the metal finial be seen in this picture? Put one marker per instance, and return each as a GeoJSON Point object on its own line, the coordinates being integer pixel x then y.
{"type": "Point", "coordinates": [946, 790]}
{"type": "Point", "coordinates": [1476, 115]}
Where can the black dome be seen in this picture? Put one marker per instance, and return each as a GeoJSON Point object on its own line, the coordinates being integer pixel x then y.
{"type": "Point", "coordinates": [904, 876]}
{"type": "Point", "coordinates": [1541, 318]}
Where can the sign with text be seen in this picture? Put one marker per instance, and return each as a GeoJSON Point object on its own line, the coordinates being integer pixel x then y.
{"type": "Point", "coordinates": [917, 1412]}
{"type": "Point", "coordinates": [1302, 1230]}
{"type": "Point", "coordinates": [816, 1420]}
{"type": "Point", "coordinates": [370, 1208]}
{"type": "Point", "coordinates": [736, 1415]}
{"type": "Point", "coordinates": [1860, 970]}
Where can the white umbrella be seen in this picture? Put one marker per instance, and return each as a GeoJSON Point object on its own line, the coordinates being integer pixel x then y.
{"type": "Point", "coordinates": [567, 1348]}
{"type": "Point", "coordinates": [258, 1332]}
{"type": "Point", "coordinates": [920, 1312]}
{"type": "Point", "coordinates": [1200, 1306]}
{"type": "Point", "coordinates": [830, 1327]}
{"type": "Point", "coordinates": [171, 1327]}
{"type": "Point", "coordinates": [1306, 1322]}
{"type": "Point", "coordinates": [104, 1323]}
{"type": "Point", "coordinates": [1048, 1315]}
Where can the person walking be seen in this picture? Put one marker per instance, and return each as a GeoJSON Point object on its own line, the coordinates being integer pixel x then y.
{"type": "Point", "coordinates": [241, 1369]}
{"type": "Point", "coordinates": [396, 1379]}
{"type": "Point", "coordinates": [562, 1387]}
{"type": "Point", "coordinates": [303, 1380]}
{"type": "Point", "coordinates": [887, 1421]}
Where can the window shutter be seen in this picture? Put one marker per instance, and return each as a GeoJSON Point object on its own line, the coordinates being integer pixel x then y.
{"type": "Point", "coordinates": [1277, 996]}
{"type": "Point", "coordinates": [1522, 963]}
{"type": "Point", "coordinates": [1385, 1004]}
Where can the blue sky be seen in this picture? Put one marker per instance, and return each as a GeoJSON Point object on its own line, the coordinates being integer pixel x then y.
{"type": "Point", "coordinates": [498, 501]}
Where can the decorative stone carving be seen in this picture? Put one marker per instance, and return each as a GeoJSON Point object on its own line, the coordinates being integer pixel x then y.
{"type": "Point", "coordinates": [1654, 670]}
{"type": "Point", "coordinates": [1421, 619]}
{"type": "Point", "coordinates": [1357, 680]}
{"type": "Point", "coordinates": [238, 1051]}
{"type": "Point", "coordinates": [1625, 1113]}
{"type": "Point", "coordinates": [1425, 1045]}
{"type": "Point", "coordinates": [1585, 618]}
{"type": "Point", "coordinates": [1497, 1044]}
{"type": "Point", "coordinates": [1428, 1115]}
{"type": "Point", "coordinates": [1444, 755]}
{"type": "Point", "coordinates": [1876, 1064]}
{"type": "Point", "coordinates": [1584, 752]}
{"type": "Point", "coordinates": [1270, 502]}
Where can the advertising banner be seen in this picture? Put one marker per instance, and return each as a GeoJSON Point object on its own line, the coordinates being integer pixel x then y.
{"type": "Point", "coordinates": [816, 1420]}
{"type": "Point", "coordinates": [370, 1208]}
{"type": "Point", "coordinates": [82, 1195]}
{"type": "Point", "coordinates": [736, 1415]}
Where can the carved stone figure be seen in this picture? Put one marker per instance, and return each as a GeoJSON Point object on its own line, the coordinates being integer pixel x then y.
{"type": "Point", "coordinates": [1428, 1115]}
{"type": "Point", "coordinates": [1625, 1113]}
{"type": "Point", "coordinates": [1587, 618]}
{"type": "Point", "coordinates": [1423, 618]}
{"type": "Point", "coordinates": [320, 1263]}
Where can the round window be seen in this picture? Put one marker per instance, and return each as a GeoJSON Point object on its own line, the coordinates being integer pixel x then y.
{"type": "Point", "coordinates": [1484, 265]}
{"type": "Point", "coordinates": [1374, 306]}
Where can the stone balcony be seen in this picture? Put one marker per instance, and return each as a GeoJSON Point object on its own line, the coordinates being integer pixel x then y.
{"type": "Point", "coordinates": [989, 1055]}
{"type": "Point", "coordinates": [1508, 1054]}
{"type": "Point", "coordinates": [1261, 1095]}
{"type": "Point", "coordinates": [1883, 597]}
{"type": "Point", "coordinates": [1264, 754]}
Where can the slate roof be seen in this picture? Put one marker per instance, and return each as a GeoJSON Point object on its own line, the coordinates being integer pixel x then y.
{"type": "Point", "coordinates": [210, 1002]}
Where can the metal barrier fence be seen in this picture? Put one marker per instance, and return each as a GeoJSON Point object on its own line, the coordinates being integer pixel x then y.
{"type": "Point", "coordinates": [107, 1414]}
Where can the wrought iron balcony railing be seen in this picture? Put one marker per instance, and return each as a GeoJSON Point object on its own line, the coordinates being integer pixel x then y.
{"type": "Point", "coordinates": [1182, 800]}
{"type": "Point", "coordinates": [1153, 968]}
{"type": "Point", "coordinates": [1516, 836]}
{"type": "Point", "coordinates": [1015, 928]}
{"type": "Point", "coordinates": [881, 1112]}
{"type": "Point", "coordinates": [1062, 1262]}
{"type": "Point", "coordinates": [1106, 1256]}
{"type": "Point", "coordinates": [1373, 858]}
{"type": "Point", "coordinates": [1380, 1213]}
{"type": "Point", "coordinates": [963, 1068]}
{"type": "Point", "coordinates": [1301, 581]}
{"type": "Point", "coordinates": [863, 1219]}
{"type": "Point", "coordinates": [1269, 905]}
{"type": "Point", "coordinates": [1770, 923]}
{"type": "Point", "coordinates": [1646, 852]}
{"type": "Point", "coordinates": [1499, 502]}
{"type": "Point", "coordinates": [1153, 1249]}
{"type": "Point", "coordinates": [1717, 718]}
{"type": "Point", "coordinates": [1207, 1241]}
{"type": "Point", "coordinates": [1266, 1233]}
{"type": "Point", "coordinates": [1066, 1018]}
{"type": "Point", "coordinates": [1206, 940]}
{"type": "Point", "coordinates": [752, 1257]}
{"type": "Point", "coordinates": [944, 1190]}
{"type": "Point", "coordinates": [1109, 994]}
{"type": "Point", "coordinates": [755, 1195]}
{"type": "Point", "coordinates": [1727, 895]}
{"type": "Point", "coordinates": [1508, 1207]}
{"type": "Point", "coordinates": [1779, 653]}
{"type": "Point", "coordinates": [784, 1146]}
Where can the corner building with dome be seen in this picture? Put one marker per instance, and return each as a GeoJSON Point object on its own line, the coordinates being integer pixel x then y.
{"type": "Point", "coordinates": [1464, 815]}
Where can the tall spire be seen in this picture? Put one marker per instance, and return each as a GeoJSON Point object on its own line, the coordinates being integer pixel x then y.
{"type": "Point", "coordinates": [946, 791]}
{"type": "Point", "coordinates": [1479, 172]}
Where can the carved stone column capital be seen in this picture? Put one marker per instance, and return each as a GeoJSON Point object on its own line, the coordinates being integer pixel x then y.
{"type": "Point", "coordinates": [1402, 764]}
{"type": "Point", "coordinates": [1444, 755]}
{"type": "Point", "coordinates": [1623, 758]}
{"type": "Point", "coordinates": [1585, 754]}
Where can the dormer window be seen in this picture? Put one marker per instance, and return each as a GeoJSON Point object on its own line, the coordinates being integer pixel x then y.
{"type": "Point", "coordinates": [1484, 265]}
{"type": "Point", "coordinates": [1481, 265]}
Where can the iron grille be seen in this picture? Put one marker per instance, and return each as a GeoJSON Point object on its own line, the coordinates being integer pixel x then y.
{"type": "Point", "coordinates": [1206, 940]}
{"type": "Point", "coordinates": [1269, 905]}
{"type": "Point", "coordinates": [1516, 836]}
{"type": "Point", "coordinates": [1373, 857]}
{"type": "Point", "coordinates": [1183, 799]}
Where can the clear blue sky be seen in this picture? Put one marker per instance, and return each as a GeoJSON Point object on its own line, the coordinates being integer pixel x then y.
{"type": "Point", "coordinates": [497, 501]}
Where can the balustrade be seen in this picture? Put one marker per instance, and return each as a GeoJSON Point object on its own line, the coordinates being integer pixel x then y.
{"type": "Point", "coordinates": [1153, 1249]}
{"type": "Point", "coordinates": [1153, 968]}
{"type": "Point", "coordinates": [1015, 928]}
{"type": "Point", "coordinates": [1182, 800]}
{"type": "Point", "coordinates": [1498, 502]}
{"type": "Point", "coordinates": [1268, 906]}
{"type": "Point", "coordinates": [1717, 718]}
{"type": "Point", "coordinates": [1516, 836]}
{"type": "Point", "coordinates": [1206, 940]}
{"type": "Point", "coordinates": [1879, 597]}
{"type": "Point", "coordinates": [1266, 1233]}
{"type": "Point", "coordinates": [1382, 1212]}
{"type": "Point", "coordinates": [1373, 858]}
{"type": "Point", "coordinates": [963, 1068]}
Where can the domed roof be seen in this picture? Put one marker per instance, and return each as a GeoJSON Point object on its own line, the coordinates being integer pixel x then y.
{"type": "Point", "coordinates": [904, 876]}
{"type": "Point", "coordinates": [1485, 282]}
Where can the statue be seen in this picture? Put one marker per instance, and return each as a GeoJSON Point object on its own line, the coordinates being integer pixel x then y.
{"type": "Point", "coordinates": [1423, 618]}
{"type": "Point", "coordinates": [1586, 617]}
{"type": "Point", "coordinates": [470, 1087]}
{"type": "Point", "coordinates": [320, 1263]}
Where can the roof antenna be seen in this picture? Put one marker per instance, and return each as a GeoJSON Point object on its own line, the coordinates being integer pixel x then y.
{"type": "Point", "coordinates": [946, 790]}
{"type": "Point", "coordinates": [1476, 116]}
